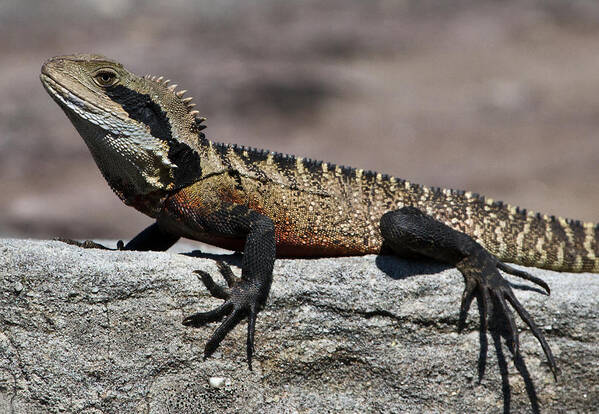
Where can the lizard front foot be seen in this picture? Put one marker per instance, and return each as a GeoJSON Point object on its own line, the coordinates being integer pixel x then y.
{"type": "Point", "coordinates": [481, 274]}
{"type": "Point", "coordinates": [242, 298]}
{"type": "Point", "coordinates": [90, 244]}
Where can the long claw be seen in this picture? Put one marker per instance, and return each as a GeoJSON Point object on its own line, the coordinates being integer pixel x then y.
{"type": "Point", "coordinates": [250, 338]}
{"type": "Point", "coordinates": [222, 331]}
{"type": "Point", "coordinates": [510, 317]}
{"type": "Point", "coordinates": [524, 275]}
{"type": "Point", "coordinates": [485, 308]}
{"type": "Point", "coordinates": [467, 298]}
{"type": "Point", "coordinates": [214, 289]}
{"type": "Point", "coordinates": [202, 318]}
{"type": "Point", "coordinates": [525, 316]}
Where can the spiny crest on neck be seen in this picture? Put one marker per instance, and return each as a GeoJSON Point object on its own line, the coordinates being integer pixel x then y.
{"type": "Point", "coordinates": [188, 101]}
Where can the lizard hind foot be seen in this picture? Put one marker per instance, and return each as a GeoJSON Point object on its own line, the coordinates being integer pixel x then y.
{"type": "Point", "coordinates": [482, 277]}
{"type": "Point", "coordinates": [410, 230]}
{"type": "Point", "coordinates": [241, 300]}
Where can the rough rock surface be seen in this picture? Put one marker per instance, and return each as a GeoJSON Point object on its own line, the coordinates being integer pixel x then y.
{"type": "Point", "coordinates": [95, 331]}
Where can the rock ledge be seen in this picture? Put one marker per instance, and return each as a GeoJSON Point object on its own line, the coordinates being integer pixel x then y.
{"type": "Point", "coordinates": [96, 331]}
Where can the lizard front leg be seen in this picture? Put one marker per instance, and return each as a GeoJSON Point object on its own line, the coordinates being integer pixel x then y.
{"type": "Point", "coordinates": [410, 231]}
{"type": "Point", "coordinates": [244, 296]}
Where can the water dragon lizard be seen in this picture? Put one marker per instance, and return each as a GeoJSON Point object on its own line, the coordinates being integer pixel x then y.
{"type": "Point", "coordinates": [147, 141]}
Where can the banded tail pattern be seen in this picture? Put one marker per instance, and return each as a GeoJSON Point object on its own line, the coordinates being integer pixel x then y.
{"type": "Point", "coordinates": [548, 242]}
{"type": "Point", "coordinates": [516, 235]}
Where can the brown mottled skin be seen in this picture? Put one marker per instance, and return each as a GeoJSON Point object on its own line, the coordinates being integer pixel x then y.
{"type": "Point", "coordinates": [147, 142]}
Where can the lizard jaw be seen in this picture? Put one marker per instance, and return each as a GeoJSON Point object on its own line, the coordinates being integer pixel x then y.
{"type": "Point", "coordinates": [114, 143]}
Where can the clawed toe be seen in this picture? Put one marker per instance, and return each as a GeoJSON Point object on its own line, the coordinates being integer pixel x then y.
{"type": "Point", "coordinates": [200, 319]}
{"type": "Point", "coordinates": [524, 275]}
{"type": "Point", "coordinates": [482, 276]}
{"type": "Point", "coordinates": [215, 289]}
{"type": "Point", "coordinates": [219, 334]}
{"type": "Point", "coordinates": [525, 316]}
{"type": "Point", "coordinates": [227, 273]}
{"type": "Point", "coordinates": [467, 298]}
{"type": "Point", "coordinates": [250, 337]}
{"type": "Point", "coordinates": [241, 300]}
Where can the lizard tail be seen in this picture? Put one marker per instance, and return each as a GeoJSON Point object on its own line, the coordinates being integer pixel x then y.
{"type": "Point", "coordinates": [513, 234]}
{"type": "Point", "coordinates": [532, 239]}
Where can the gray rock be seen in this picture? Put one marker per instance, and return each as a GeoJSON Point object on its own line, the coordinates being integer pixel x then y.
{"type": "Point", "coordinates": [96, 331]}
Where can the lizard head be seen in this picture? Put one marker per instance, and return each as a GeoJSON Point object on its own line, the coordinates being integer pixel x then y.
{"type": "Point", "coordinates": [143, 135]}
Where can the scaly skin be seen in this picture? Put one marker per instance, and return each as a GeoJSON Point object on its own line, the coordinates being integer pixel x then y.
{"type": "Point", "coordinates": [321, 209]}
{"type": "Point", "coordinates": [147, 142]}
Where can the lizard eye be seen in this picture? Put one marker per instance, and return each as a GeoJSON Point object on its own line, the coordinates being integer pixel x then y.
{"type": "Point", "coordinates": [105, 77]}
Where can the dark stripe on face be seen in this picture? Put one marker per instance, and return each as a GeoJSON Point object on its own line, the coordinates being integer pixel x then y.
{"type": "Point", "coordinates": [143, 109]}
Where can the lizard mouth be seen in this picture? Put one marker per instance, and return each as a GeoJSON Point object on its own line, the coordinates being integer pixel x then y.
{"type": "Point", "coordinates": [66, 98]}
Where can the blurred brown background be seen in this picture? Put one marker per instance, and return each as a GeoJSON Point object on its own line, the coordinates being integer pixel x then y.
{"type": "Point", "coordinates": [498, 97]}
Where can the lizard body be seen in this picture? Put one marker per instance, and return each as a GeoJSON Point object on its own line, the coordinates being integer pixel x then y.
{"type": "Point", "coordinates": [321, 209]}
{"type": "Point", "coordinates": [148, 143]}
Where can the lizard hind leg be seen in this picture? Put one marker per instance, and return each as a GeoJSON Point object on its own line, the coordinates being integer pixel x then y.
{"type": "Point", "coordinates": [410, 230]}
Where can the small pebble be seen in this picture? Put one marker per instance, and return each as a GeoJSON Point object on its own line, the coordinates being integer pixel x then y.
{"type": "Point", "coordinates": [95, 289]}
{"type": "Point", "coordinates": [216, 382]}
{"type": "Point", "coordinates": [18, 287]}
